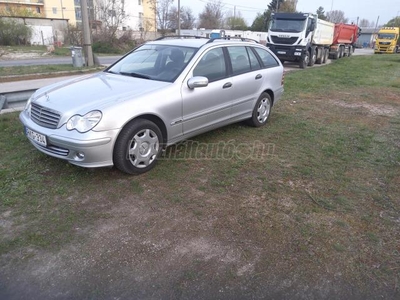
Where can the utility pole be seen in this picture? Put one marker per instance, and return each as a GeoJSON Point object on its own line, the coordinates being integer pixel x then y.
{"type": "Point", "coordinates": [179, 17]}
{"type": "Point", "coordinates": [87, 41]}
{"type": "Point", "coordinates": [234, 17]}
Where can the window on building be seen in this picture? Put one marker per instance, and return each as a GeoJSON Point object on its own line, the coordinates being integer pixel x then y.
{"type": "Point", "coordinates": [140, 2]}
{"type": "Point", "coordinates": [38, 10]}
{"type": "Point", "coordinates": [54, 10]}
{"type": "Point", "coordinates": [78, 14]}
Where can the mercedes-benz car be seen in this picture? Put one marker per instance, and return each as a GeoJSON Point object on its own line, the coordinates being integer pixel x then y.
{"type": "Point", "coordinates": [160, 93]}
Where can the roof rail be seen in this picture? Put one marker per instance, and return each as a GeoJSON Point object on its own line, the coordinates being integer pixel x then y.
{"type": "Point", "coordinates": [232, 38]}
{"type": "Point", "coordinates": [180, 37]}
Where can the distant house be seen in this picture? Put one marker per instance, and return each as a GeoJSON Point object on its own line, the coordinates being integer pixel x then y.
{"type": "Point", "coordinates": [367, 37]}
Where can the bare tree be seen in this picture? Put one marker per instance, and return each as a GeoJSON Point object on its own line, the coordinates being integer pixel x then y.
{"type": "Point", "coordinates": [187, 18]}
{"type": "Point", "coordinates": [112, 14]}
{"type": "Point", "coordinates": [212, 16]}
{"type": "Point", "coordinates": [336, 16]}
{"type": "Point", "coordinates": [162, 10]}
{"type": "Point", "coordinates": [364, 23]}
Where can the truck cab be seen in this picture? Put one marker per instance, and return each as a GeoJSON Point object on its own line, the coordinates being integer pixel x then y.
{"type": "Point", "coordinates": [386, 41]}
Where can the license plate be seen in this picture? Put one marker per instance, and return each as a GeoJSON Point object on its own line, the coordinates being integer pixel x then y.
{"type": "Point", "coordinates": [297, 53]}
{"type": "Point", "coordinates": [36, 137]}
{"type": "Point", "coordinates": [281, 52]}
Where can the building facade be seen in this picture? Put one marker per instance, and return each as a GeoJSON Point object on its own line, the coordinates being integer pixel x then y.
{"type": "Point", "coordinates": [22, 7]}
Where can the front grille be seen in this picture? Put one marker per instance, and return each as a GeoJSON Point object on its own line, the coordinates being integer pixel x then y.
{"type": "Point", "coordinates": [384, 43]}
{"type": "Point", "coordinates": [44, 117]}
{"type": "Point", "coordinates": [284, 41]}
{"type": "Point", "coordinates": [54, 150]}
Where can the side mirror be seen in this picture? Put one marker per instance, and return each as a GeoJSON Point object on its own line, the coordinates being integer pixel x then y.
{"type": "Point", "coordinates": [197, 81]}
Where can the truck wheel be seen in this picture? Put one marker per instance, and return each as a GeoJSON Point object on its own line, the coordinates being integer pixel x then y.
{"type": "Point", "coordinates": [325, 55]}
{"type": "Point", "coordinates": [305, 60]}
{"type": "Point", "coordinates": [319, 59]}
{"type": "Point", "coordinates": [350, 51]}
{"type": "Point", "coordinates": [340, 52]}
{"type": "Point", "coordinates": [313, 58]}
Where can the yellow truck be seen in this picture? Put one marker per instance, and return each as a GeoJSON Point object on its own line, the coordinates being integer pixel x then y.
{"type": "Point", "coordinates": [386, 40]}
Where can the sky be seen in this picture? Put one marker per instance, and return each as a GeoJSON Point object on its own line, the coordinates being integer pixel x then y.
{"type": "Point", "coordinates": [366, 9]}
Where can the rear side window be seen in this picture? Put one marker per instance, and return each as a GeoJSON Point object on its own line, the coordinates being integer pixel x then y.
{"type": "Point", "coordinates": [255, 64]}
{"type": "Point", "coordinates": [268, 60]}
{"type": "Point", "coordinates": [239, 59]}
{"type": "Point", "coordinates": [211, 65]}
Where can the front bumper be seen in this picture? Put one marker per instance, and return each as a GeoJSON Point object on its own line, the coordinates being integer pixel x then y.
{"type": "Point", "coordinates": [91, 149]}
{"type": "Point", "coordinates": [288, 53]}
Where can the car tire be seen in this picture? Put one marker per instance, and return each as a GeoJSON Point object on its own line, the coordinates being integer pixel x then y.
{"type": "Point", "coordinates": [305, 60]}
{"type": "Point", "coordinates": [261, 111]}
{"type": "Point", "coordinates": [137, 147]}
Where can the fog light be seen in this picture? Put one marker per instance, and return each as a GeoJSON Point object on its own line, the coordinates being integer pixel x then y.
{"type": "Point", "coordinates": [80, 155]}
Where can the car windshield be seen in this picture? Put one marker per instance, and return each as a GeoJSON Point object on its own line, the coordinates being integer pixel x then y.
{"type": "Point", "coordinates": [154, 62]}
{"type": "Point", "coordinates": [386, 36]}
{"type": "Point", "coordinates": [287, 25]}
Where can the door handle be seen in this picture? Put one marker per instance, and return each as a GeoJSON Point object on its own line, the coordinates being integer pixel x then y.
{"type": "Point", "coordinates": [259, 76]}
{"type": "Point", "coordinates": [227, 85]}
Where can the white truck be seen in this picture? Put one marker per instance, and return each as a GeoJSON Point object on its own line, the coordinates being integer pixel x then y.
{"type": "Point", "coordinates": [300, 37]}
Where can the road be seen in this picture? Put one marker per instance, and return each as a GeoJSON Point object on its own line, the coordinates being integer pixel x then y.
{"type": "Point", "coordinates": [104, 60]}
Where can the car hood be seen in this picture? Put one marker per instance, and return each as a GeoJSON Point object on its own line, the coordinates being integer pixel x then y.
{"type": "Point", "coordinates": [82, 94]}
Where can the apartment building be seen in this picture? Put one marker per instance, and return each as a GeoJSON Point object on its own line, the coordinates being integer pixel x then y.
{"type": "Point", "coordinates": [136, 15]}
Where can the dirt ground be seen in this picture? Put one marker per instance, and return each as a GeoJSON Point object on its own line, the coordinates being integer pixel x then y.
{"type": "Point", "coordinates": [145, 252]}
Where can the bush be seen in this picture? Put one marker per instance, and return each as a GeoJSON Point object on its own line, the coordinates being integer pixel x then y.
{"type": "Point", "coordinates": [104, 47]}
{"type": "Point", "coordinates": [14, 33]}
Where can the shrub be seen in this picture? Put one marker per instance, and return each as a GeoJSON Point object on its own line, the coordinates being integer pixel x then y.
{"type": "Point", "coordinates": [14, 33]}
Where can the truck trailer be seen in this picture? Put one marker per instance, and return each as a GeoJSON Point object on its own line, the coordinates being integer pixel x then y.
{"type": "Point", "coordinates": [344, 38]}
{"type": "Point", "coordinates": [386, 41]}
{"type": "Point", "coordinates": [300, 37]}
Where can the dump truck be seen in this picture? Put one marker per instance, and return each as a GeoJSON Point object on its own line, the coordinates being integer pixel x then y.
{"type": "Point", "coordinates": [386, 40]}
{"type": "Point", "coordinates": [300, 37]}
{"type": "Point", "coordinates": [344, 38]}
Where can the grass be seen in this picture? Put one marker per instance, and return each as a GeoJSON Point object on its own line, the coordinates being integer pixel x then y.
{"type": "Point", "coordinates": [325, 196]}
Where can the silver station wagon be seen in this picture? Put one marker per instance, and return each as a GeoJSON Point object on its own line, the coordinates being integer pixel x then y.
{"type": "Point", "coordinates": [160, 93]}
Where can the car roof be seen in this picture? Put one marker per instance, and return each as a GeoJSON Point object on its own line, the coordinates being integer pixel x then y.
{"type": "Point", "coordinates": [197, 42]}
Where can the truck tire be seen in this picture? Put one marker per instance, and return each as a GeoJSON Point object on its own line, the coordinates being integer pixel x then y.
{"type": "Point", "coordinates": [350, 51]}
{"type": "Point", "coordinates": [313, 57]}
{"type": "Point", "coordinates": [320, 56]}
{"type": "Point", "coordinates": [304, 60]}
{"type": "Point", "coordinates": [341, 52]}
{"type": "Point", "coordinates": [325, 56]}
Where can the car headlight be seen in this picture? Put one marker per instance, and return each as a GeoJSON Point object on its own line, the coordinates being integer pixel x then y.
{"type": "Point", "coordinates": [28, 105]}
{"type": "Point", "coordinates": [84, 123]}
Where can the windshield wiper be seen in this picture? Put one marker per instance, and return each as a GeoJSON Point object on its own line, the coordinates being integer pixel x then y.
{"type": "Point", "coordinates": [133, 74]}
